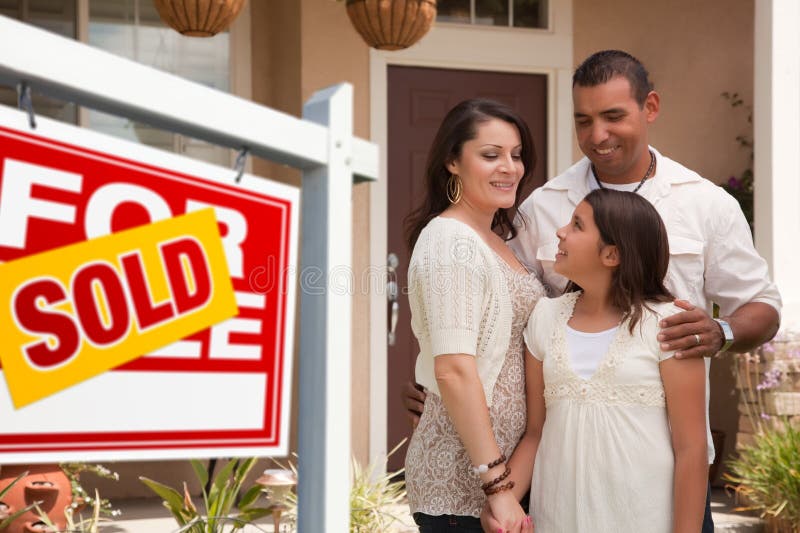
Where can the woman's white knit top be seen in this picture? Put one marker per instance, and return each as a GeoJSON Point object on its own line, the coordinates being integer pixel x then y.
{"type": "Point", "coordinates": [459, 301]}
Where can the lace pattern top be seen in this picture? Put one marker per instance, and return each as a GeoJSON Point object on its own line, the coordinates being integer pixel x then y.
{"type": "Point", "coordinates": [605, 459]}
{"type": "Point", "coordinates": [438, 470]}
{"type": "Point", "coordinates": [459, 300]}
{"type": "Point", "coordinates": [545, 336]}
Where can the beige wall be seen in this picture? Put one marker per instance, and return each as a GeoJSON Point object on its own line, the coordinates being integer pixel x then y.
{"type": "Point", "coordinates": [299, 48]}
{"type": "Point", "coordinates": [694, 51]}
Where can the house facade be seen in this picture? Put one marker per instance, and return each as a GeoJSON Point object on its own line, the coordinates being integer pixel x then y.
{"type": "Point", "coordinates": [279, 52]}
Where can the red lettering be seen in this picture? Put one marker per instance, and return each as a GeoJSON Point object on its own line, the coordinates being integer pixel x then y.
{"type": "Point", "coordinates": [191, 250]}
{"type": "Point", "coordinates": [54, 323]}
{"type": "Point", "coordinates": [88, 308]}
{"type": "Point", "coordinates": [147, 313]}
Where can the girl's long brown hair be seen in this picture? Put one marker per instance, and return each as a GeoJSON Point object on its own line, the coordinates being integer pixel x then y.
{"type": "Point", "coordinates": [632, 224]}
{"type": "Point", "coordinates": [459, 126]}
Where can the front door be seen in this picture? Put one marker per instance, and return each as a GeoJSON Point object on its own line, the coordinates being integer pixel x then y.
{"type": "Point", "coordinates": [418, 100]}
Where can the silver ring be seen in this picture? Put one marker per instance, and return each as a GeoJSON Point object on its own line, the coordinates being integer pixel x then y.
{"type": "Point", "coordinates": [696, 339]}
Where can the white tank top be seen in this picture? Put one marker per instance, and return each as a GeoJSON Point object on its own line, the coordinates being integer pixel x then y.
{"type": "Point", "coordinates": [587, 350]}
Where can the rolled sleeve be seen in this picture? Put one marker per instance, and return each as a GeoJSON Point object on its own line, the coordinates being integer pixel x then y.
{"type": "Point", "coordinates": [736, 274]}
{"type": "Point", "coordinates": [451, 285]}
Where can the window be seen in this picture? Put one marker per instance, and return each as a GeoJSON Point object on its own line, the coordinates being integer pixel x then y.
{"type": "Point", "coordinates": [57, 16]}
{"type": "Point", "coordinates": [131, 29]}
{"type": "Point", "coordinates": [508, 13]}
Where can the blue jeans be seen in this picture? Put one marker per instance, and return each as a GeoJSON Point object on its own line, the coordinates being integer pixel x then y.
{"type": "Point", "coordinates": [708, 522]}
{"type": "Point", "coordinates": [447, 523]}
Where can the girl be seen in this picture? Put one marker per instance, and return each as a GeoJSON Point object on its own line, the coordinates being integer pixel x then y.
{"type": "Point", "coordinates": [617, 426]}
{"type": "Point", "coordinates": [470, 299]}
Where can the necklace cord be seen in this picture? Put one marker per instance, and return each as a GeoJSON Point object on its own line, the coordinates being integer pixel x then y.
{"type": "Point", "coordinates": [646, 174]}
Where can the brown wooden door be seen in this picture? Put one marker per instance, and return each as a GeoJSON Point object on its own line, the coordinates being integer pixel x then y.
{"type": "Point", "coordinates": [418, 100]}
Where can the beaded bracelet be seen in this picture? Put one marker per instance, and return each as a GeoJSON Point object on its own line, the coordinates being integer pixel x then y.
{"type": "Point", "coordinates": [499, 488]}
{"type": "Point", "coordinates": [496, 480]}
{"type": "Point", "coordinates": [482, 469]}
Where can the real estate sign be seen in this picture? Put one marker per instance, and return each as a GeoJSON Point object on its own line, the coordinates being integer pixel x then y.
{"type": "Point", "coordinates": [146, 301]}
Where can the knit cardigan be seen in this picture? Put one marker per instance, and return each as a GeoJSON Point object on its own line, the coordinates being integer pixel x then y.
{"type": "Point", "coordinates": [459, 300]}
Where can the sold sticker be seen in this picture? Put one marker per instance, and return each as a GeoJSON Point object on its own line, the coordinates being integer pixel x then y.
{"type": "Point", "coordinates": [74, 312]}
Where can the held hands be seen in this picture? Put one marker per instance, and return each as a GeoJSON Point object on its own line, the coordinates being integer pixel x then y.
{"type": "Point", "coordinates": [692, 333]}
{"type": "Point", "coordinates": [504, 504]}
{"type": "Point", "coordinates": [413, 397]}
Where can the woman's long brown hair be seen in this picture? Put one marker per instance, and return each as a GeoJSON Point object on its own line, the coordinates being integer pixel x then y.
{"type": "Point", "coordinates": [459, 126]}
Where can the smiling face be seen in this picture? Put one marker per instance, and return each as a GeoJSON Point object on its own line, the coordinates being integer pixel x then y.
{"type": "Point", "coordinates": [612, 129]}
{"type": "Point", "coordinates": [582, 254]}
{"type": "Point", "coordinates": [490, 166]}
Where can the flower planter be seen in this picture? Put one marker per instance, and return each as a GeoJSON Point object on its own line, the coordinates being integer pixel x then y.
{"type": "Point", "coordinates": [44, 483]}
{"type": "Point", "coordinates": [198, 18]}
{"type": "Point", "coordinates": [391, 25]}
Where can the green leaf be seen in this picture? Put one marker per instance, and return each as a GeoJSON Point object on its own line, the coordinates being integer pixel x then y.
{"type": "Point", "coordinates": [254, 514]}
{"type": "Point", "coordinates": [201, 472]}
{"type": "Point", "coordinates": [173, 500]}
{"type": "Point", "coordinates": [243, 469]}
{"type": "Point", "coordinates": [16, 480]}
{"type": "Point", "coordinates": [7, 522]}
{"type": "Point", "coordinates": [250, 497]}
{"type": "Point", "coordinates": [221, 479]}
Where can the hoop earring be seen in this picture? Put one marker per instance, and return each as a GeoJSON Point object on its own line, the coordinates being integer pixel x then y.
{"type": "Point", "coordinates": [454, 189]}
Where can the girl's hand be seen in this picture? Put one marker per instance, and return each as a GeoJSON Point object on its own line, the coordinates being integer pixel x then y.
{"type": "Point", "coordinates": [507, 513]}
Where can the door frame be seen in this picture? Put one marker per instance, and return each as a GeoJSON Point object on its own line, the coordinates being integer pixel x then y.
{"type": "Point", "coordinates": [462, 47]}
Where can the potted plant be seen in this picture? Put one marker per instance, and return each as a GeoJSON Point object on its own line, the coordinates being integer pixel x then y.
{"type": "Point", "coordinates": [216, 514]}
{"type": "Point", "coordinates": [373, 497]}
{"type": "Point", "coordinates": [765, 474]}
{"type": "Point", "coordinates": [198, 19]}
{"type": "Point", "coordinates": [50, 498]}
{"type": "Point", "coordinates": [391, 25]}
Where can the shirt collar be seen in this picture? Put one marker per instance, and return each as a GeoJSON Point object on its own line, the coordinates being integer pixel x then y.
{"type": "Point", "coordinates": [578, 179]}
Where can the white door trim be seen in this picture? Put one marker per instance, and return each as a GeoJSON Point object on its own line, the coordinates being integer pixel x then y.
{"type": "Point", "coordinates": [546, 52]}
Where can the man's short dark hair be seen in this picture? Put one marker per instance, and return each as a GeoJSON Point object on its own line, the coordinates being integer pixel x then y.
{"type": "Point", "coordinates": [601, 67]}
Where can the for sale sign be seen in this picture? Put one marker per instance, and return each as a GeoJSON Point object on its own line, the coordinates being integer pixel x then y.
{"type": "Point", "coordinates": [146, 301]}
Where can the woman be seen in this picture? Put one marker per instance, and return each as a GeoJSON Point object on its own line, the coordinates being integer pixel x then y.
{"type": "Point", "coordinates": [470, 298]}
{"type": "Point", "coordinates": [618, 425]}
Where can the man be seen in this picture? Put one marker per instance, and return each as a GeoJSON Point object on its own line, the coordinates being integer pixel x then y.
{"type": "Point", "coordinates": [712, 258]}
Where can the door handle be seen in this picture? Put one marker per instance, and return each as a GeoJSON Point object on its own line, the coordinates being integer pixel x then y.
{"type": "Point", "coordinates": [392, 335]}
{"type": "Point", "coordinates": [392, 262]}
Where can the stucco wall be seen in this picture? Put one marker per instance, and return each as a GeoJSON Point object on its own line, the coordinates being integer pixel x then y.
{"type": "Point", "coordinates": [299, 48]}
{"type": "Point", "coordinates": [333, 52]}
{"type": "Point", "coordinates": [694, 52]}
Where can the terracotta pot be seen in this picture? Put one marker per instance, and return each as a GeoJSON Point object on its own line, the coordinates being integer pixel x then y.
{"type": "Point", "coordinates": [198, 18]}
{"type": "Point", "coordinates": [391, 24]}
{"type": "Point", "coordinates": [44, 483]}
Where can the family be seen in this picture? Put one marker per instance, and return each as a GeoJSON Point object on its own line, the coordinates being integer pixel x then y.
{"type": "Point", "coordinates": [565, 338]}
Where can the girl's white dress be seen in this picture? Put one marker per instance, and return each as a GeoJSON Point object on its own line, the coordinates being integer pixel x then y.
{"type": "Point", "coordinates": [605, 461]}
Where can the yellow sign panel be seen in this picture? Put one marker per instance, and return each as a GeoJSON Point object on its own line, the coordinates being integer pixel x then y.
{"type": "Point", "coordinates": [75, 312]}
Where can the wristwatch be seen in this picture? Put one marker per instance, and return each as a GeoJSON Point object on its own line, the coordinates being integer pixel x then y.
{"type": "Point", "coordinates": [727, 333]}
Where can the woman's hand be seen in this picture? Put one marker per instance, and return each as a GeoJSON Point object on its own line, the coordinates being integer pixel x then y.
{"type": "Point", "coordinates": [488, 521]}
{"type": "Point", "coordinates": [503, 513]}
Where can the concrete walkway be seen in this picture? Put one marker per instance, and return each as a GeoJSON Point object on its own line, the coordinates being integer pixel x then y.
{"type": "Point", "coordinates": [148, 516]}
